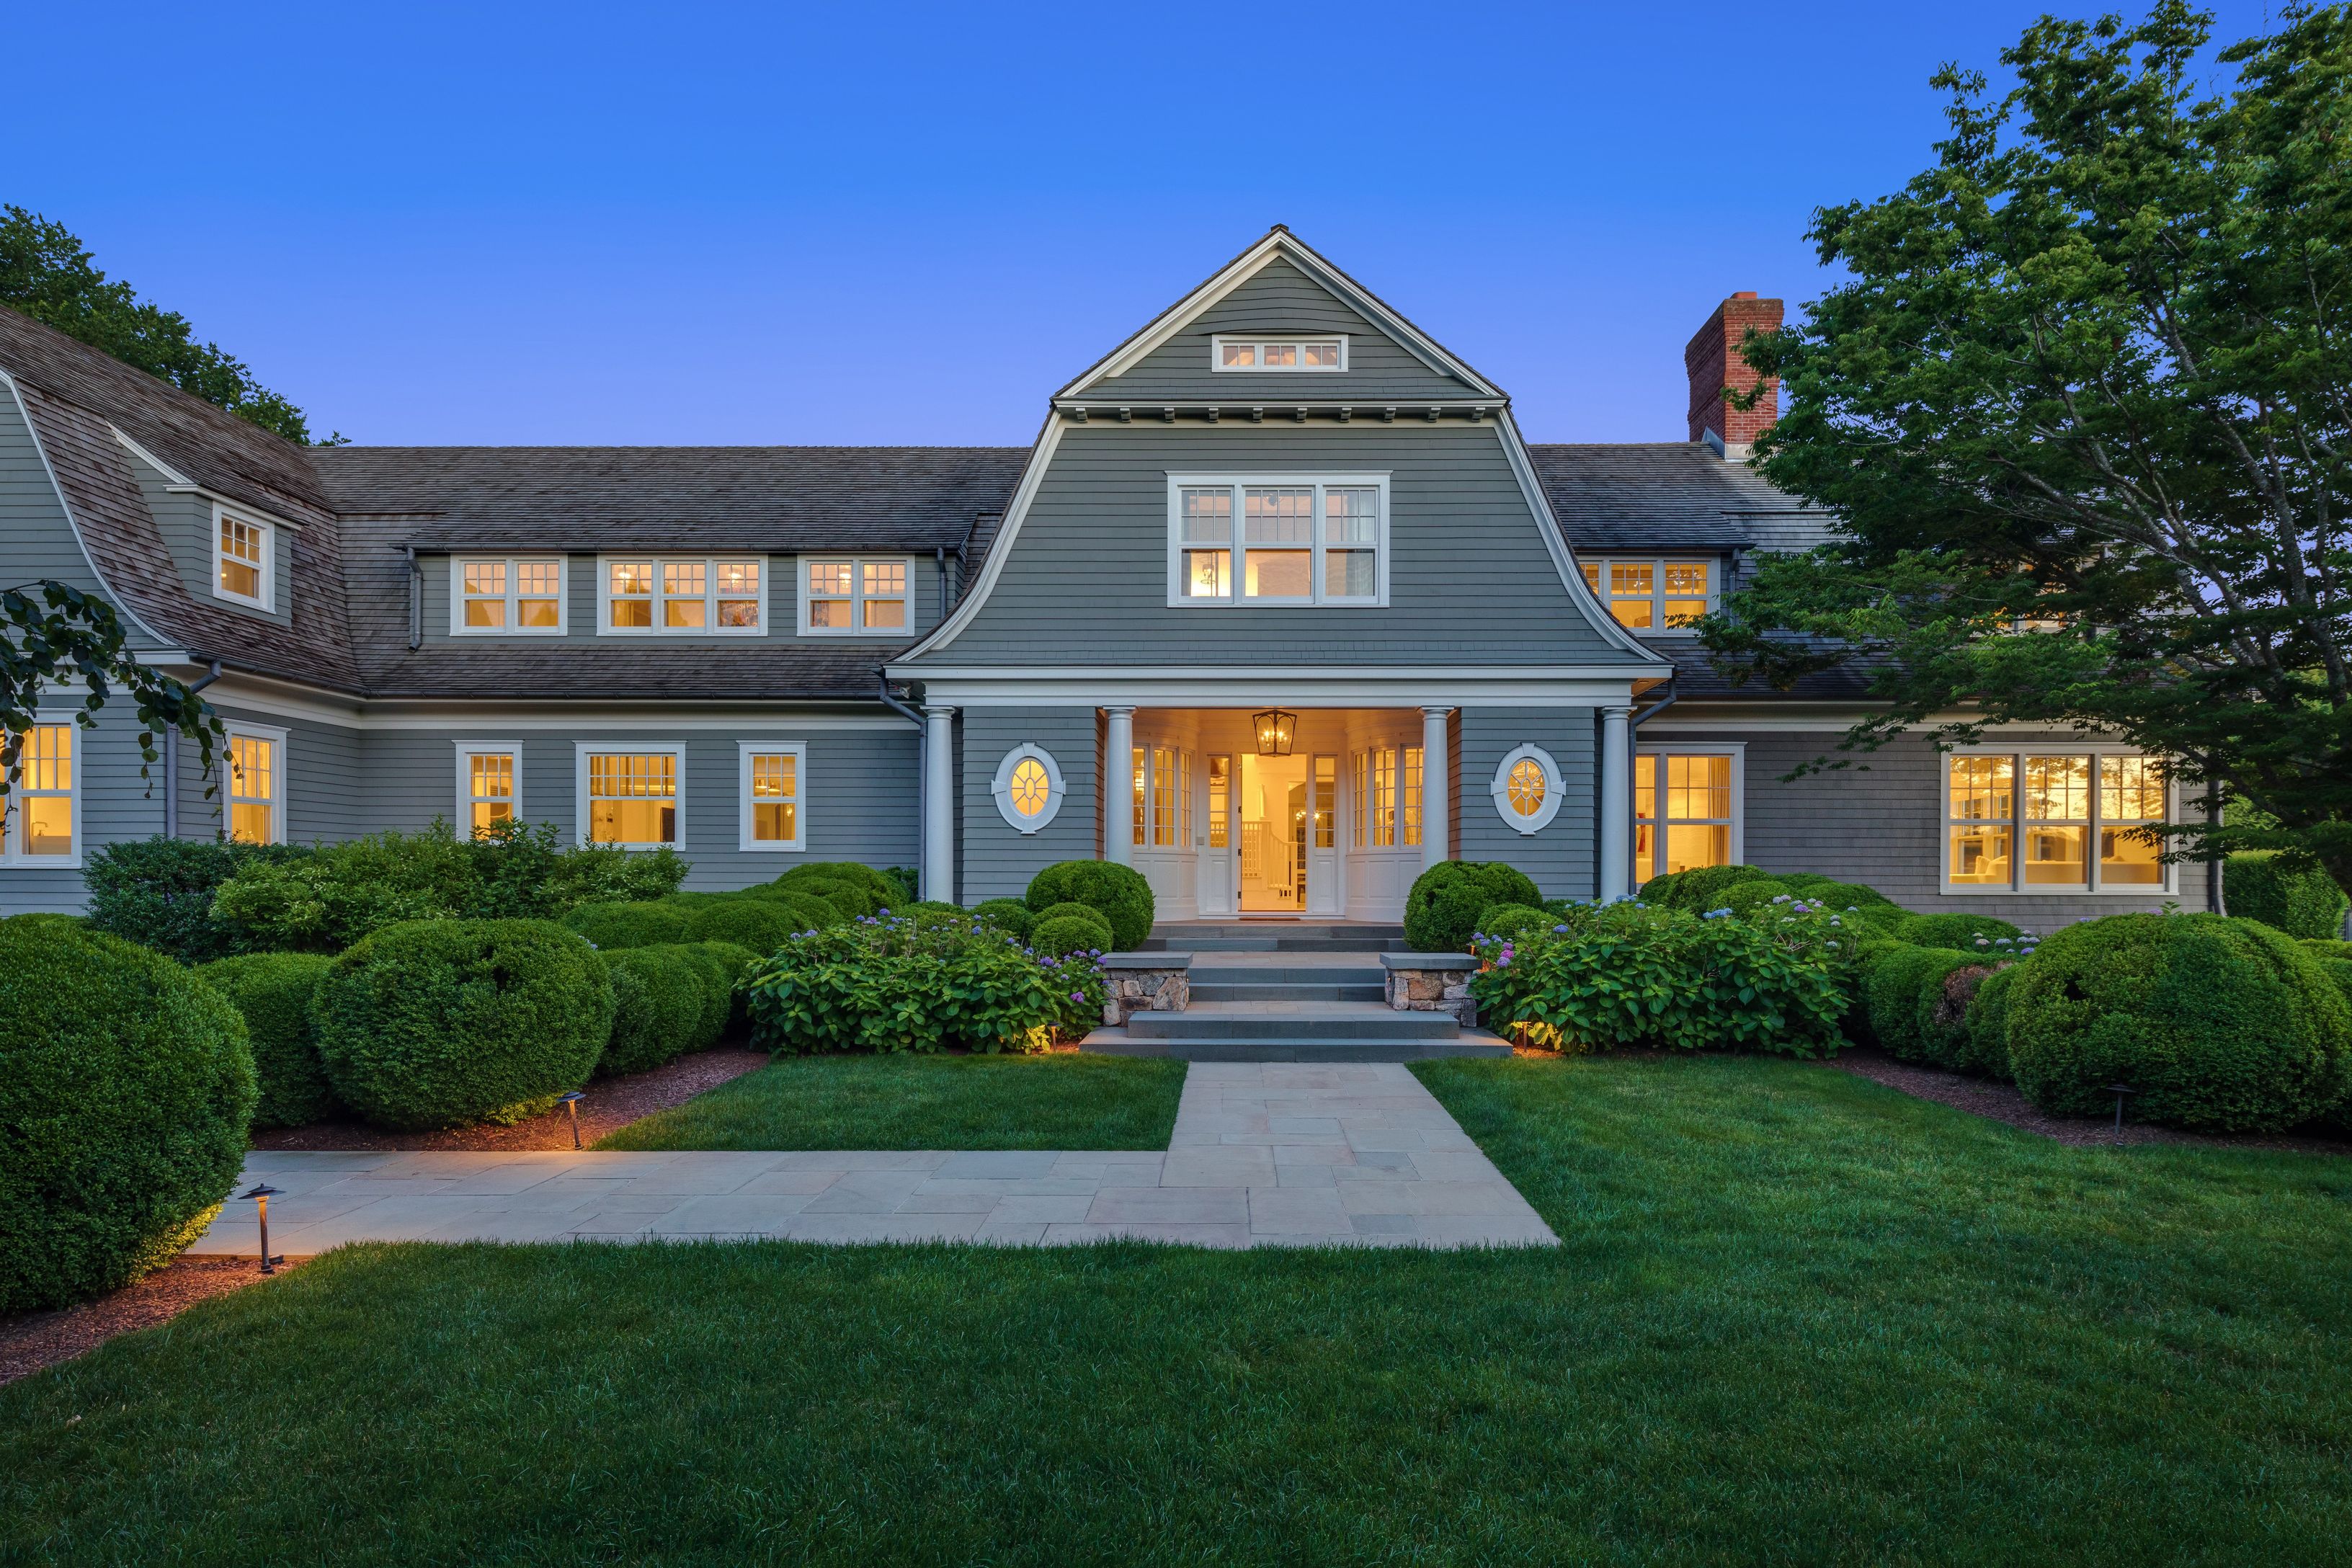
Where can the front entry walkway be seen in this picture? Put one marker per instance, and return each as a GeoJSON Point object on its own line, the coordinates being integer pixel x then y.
{"type": "Point", "coordinates": [1263, 1155]}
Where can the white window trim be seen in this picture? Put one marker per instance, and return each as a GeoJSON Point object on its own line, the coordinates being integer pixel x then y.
{"type": "Point", "coordinates": [745, 752]}
{"type": "Point", "coordinates": [582, 749]}
{"type": "Point", "coordinates": [462, 825]}
{"type": "Point", "coordinates": [1179, 483]}
{"type": "Point", "coordinates": [11, 819]}
{"type": "Point", "coordinates": [2018, 887]}
{"type": "Point", "coordinates": [858, 564]}
{"type": "Point", "coordinates": [514, 628]}
{"type": "Point", "coordinates": [709, 595]}
{"type": "Point", "coordinates": [1217, 342]}
{"type": "Point", "coordinates": [1737, 752]}
{"type": "Point", "coordinates": [1002, 789]}
{"type": "Point", "coordinates": [1553, 789]}
{"type": "Point", "coordinates": [1657, 565]}
{"type": "Point", "coordinates": [283, 758]}
{"type": "Point", "coordinates": [267, 599]}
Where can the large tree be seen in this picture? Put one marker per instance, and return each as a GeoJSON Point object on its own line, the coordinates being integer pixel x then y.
{"type": "Point", "coordinates": [2083, 411]}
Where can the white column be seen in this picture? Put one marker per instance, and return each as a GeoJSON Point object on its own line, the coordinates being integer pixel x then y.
{"type": "Point", "coordinates": [1436, 803]}
{"type": "Point", "coordinates": [1119, 785]}
{"type": "Point", "coordinates": [938, 804]}
{"type": "Point", "coordinates": [1616, 804]}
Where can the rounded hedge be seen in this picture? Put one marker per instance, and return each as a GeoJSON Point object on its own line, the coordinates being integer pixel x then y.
{"type": "Point", "coordinates": [126, 1087]}
{"type": "Point", "coordinates": [1837, 895]}
{"type": "Point", "coordinates": [1752, 893]}
{"type": "Point", "coordinates": [1117, 893]}
{"type": "Point", "coordinates": [2301, 900]}
{"type": "Point", "coordinates": [658, 1002]}
{"type": "Point", "coordinates": [1006, 915]}
{"type": "Point", "coordinates": [271, 992]}
{"type": "Point", "coordinates": [723, 965]}
{"type": "Point", "coordinates": [1902, 991]}
{"type": "Point", "coordinates": [441, 1022]}
{"type": "Point", "coordinates": [2213, 1020]}
{"type": "Point", "coordinates": [1442, 906]}
{"type": "Point", "coordinates": [1507, 920]}
{"type": "Point", "coordinates": [850, 901]}
{"type": "Point", "coordinates": [1988, 1046]}
{"type": "Point", "coordinates": [760, 924]}
{"type": "Point", "coordinates": [1960, 933]}
{"type": "Point", "coordinates": [809, 911]}
{"type": "Point", "coordinates": [2334, 961]}
{"type": "Point", "coordinates": [639, 924]}
{"type": "Point", "coordinates": [1059, 935]}
{"type": "Point", "coordinates": [1698, 889]}
{"type": "Point", "coordinates": [879, 890]}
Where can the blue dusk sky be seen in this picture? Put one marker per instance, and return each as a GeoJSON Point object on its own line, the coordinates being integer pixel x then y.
{"type": "Point", "coordinates": [861, 224]}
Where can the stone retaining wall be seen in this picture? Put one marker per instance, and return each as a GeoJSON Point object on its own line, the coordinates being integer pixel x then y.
{"type": "Point", "coordinates": [1433, 982]}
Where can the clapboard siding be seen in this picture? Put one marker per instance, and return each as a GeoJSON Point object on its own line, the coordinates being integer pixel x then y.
{"type": "Point", "coordinates": [582, 587]}
{"type": "Point", "coordinates": [1470, 578]}
{"type": "Point", "coordinates": [997, 862]}
{"type": "Point", "coordinates": [37, 540]}
{"type": "Point", "coordinates": [1281, 299]}
{"type": "Point", "coordinates": [1561, 855]}
{"type": "Point", "coordinates": [184, 522]}
{"type": "Point", "coordinates": [115, 805]}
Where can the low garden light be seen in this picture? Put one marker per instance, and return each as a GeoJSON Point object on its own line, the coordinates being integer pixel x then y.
{"type": "Point", "coordinates": [261, 1194]}
{"type": "Point", "coordinates": [569, 1101]}
{"type": "Point", "coordinates": [2122, 1092]}
{"type": "Point", "coordinates": [1276, 729]}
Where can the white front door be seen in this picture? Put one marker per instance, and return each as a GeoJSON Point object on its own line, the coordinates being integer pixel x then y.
{"type": "Point", "coordinates": [1216, 853]}
{"type": "Point", "coordinates": [1322, 835]}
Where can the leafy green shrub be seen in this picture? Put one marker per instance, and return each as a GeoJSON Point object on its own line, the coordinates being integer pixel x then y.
{"type": "Point", "coordinates": [271, 992]}
{"type": "Point", "coordinates": [1960, 933]}
{"type": "Point", "coordinates": [1117, 893]}
{"type": "Point", "coordinates": [2333, 958]}
{"type": "Point", "coordinates": [1510, 919]}
{"type": "Point", "coordinates": [809, 911]}
{"type": "Point", "coordinates": [894, 984]}
{"type": "Point", "coordinates": [658, 1003]}
{"type": "Point", "coordinates": [1893, 983]}
{"type": "Point", "coordinates": [1632, 974]}
{"type": "Point", "coordinates": [158, 892]}
{"type": "Point", "coordinates": [1988, 1047]}
{"type": "Point", "coordinates": [612, 926]}
{"type": "Point", "coordinates": [878, 890]}
{"type": "Point", "coordinates": [722, 965]}
{"type": "Point", "coordinates": [440, 1023]}
{"type": "Point", "coordinates": [1835, 894]}
{"type": "Point", "coordinates": [1699, 889]}
{"type": "Point", "coordinates": [2300, 900]}
{"type": "Point", "coordinates": [848, 900]}
{"type": "Point", "coordinates": [1009, 915]}
{"type": "Point", "coordinates": [1058, 936]}
{"type": "Point", "coordinates": [126, 1086]}
{"type": "Point", "coordinates": [760, 924]}
{"type": "Point", "coordinates": [2215, 1022]}
{"type": "Point", "coordinates": [1442, 906]}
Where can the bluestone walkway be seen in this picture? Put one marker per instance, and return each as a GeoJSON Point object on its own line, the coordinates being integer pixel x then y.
{"type": "Point", "coordinates": [1263, 1155]}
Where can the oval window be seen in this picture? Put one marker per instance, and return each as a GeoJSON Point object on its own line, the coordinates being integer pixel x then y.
{"type": "Point", "coordinates": [1527, 789]}
{"type": "Point", "coordinates": [1028, 788]}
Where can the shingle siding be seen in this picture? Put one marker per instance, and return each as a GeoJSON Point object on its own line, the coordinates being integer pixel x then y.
{"type": "Point", "coordinates": [1560, 855]}
{"type": "Point", "coordinates": [996, 861]}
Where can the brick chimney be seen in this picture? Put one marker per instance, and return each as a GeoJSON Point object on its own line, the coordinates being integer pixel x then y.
{"type": "Point", "coordinates": [1714, 362]}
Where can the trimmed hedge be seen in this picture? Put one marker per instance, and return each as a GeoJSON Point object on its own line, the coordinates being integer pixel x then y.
{"type": "Point", "coordinates": [1988, 1049]}
{"type": "Point", "coordinates": [271, 992]}
{"type": "Point", "coordinates": [849, 900]}
{"type": "Point", "coordinates": [441, 1022]}
{"type": "Point", "coordinates": [1903, 989]}
{"type": "Point", "coordinates": [659, 999]}
{"type": "Point", "coordinates": [1442, 907]}
{"type": "Point", "coordinates": [645, 924]}
{"type": "Point", "coordinates": [1697, 890]}
{"type": "Point", "coordinates": [725, 966]}
{"type": "Point", "coordinates": [1009, 915]}
{"type": "Point", "coordinates": [871, 891]}
{"type": "Point", "coordinates": [809, 911]}
{"type": "Point", "coordinates": [2213, 1020]}
{"type": "Point", "coordinates": [2334, 961]}
{"type": "Point", "coordinates": [1979, 934]}
{"type": "Point", "coordinates": [2303, 902]}
{"type": "Point", "coordinates": [1117, 893]}
{"type": "Point", "coordinates": [760, 924]}
{"type": "Point", "coordinates": [126, 1087]}
{"type": "Point", "coordinates": [1507, 920]}
{"type": "Point", "coordinates": [1057, 935]}
{"type": "Point", "coordinates": [900, 985]}
{"type": "Point", "coordinates": [158, 892]}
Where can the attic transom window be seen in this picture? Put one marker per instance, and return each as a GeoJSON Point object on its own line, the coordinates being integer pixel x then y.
{"type": "Point", "coordinates": [672, 597]}
{"type": "Point", "coordinates": [241, 559]}
{"type": "Point", "coordinates": [1278, 354]}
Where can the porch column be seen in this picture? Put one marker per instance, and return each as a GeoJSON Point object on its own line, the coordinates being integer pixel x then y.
{"type": "Point", "coordinates": [1436, 798]}
{"type": "Point", "coordinates": [1119, 785]}
{"type": "Point", "coordinates": [1616, 804]}
{"type": "Point", "coordinates": [938, 804]}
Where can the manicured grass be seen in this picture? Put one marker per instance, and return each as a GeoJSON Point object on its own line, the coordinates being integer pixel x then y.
{"type": "Point", "coordinates": [1057, 1102]}
{"type": "Point", "coordinates": [1797, 1319]}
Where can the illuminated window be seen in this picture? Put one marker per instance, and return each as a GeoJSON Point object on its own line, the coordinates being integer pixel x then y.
{"type": "Point", "coordinates": [1301, 541]}
{"type": "Point", "coordinates": [256, 788]}
{"type": "Point", "coordinates": [1220, 801]}
{"type": "Point", "coordinates": [1166, 789]}
{"type": "Point", "coordinates": [1409, 785]}
{"type": "Point", "coordinates": [1388, 797]}
{"type": "Point", "coordinates": [629, 798]}
{"type": "Point", "coordinates": [1326, 802]}
{"type": "Point", "coordinates": [1028, 788]}
{"type": "Point", "coordinates": [36, 816]}
{"type": "Point", "coordinates": [853, 596]}
{"type": "Point", "coordinates": [2057, 801]}
{"type": "Point", "coordinates": [243, 566]}
{"type": "Point", "coordinates": [771, 785]}
{"type": "Point", "coordinates": [2131, 795]}
{"type": "Point", "coordinates": [1325, 354]}
{"type": "Point", "coordinates": [719, 597]}
{"type": "Point", "coordinates": [1655, 594]}
{"type": "Point", "coordinates": [485, 785]}
{"type": "Point", "coordinates": [1527, 789]}
{"type": "Point", "coordinates": [1686, 812]}
{"type": "Point", "coordinates": [505, 596]}
{"type": "Point", "coordinates": [2054, 806]}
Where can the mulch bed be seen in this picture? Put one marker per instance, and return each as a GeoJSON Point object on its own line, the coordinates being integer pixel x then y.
{"type": "Point", "coordinates": [31, 1341]}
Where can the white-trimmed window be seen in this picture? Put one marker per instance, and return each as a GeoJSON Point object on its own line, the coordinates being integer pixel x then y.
{"type": "Point", "coordinates": [2053, 819]}
{"type": "Point", "coordinates": [1328, 351]}
{"type": "Point", "coordinates": [256, 785]}
{"type": "Point", "coordinates": [774, 777]}
{"type": "Point", "coordinates": [1527, 789]}
{"type": "Point", "coordinates": [244, 559]}
{"type": "Point", "coordinates": [1686, 810]}
{"type": "Point", "coordinates": [1028, 788]}
{"type": "Point", "coordinates": [1653, 593]}
{"type": "Point", "coordinates": [630, 795]}
{"type": "Point", "coordinates": [1163, 798]}
{"type": "Point", "coordinates": [489, 788]}
{"type": "Point", "coordinates": [1278, 541]}
{"type": "Point", "coordinates": [666, 596]}
{"type": "Point", "coordinates": [505, 595]}
{"type": "Point", "coordinates": [856, 596]}
{"type": "Point", "coordinates": [40, 817]}
{"type": "Point", "coordinates": [1387, 798]}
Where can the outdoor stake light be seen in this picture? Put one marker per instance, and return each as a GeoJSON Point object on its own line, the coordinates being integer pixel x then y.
{"type": "Point", "coordinates": [261, 1194]}
{"type": "Point", "coordinates": [2120, 1090]}
{"type": "Point", "coordinates": [570, 1102]}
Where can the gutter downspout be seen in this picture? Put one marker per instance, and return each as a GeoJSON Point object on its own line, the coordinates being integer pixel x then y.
{"type": "Point", "coordinates": [922, 750]}
{"type": "Point", "coordinates": [416, 601]}
{"type": "Point", "coordinates": [172, 762]}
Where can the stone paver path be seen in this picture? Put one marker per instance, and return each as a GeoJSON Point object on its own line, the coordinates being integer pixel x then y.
{"type": "Point", "coordinates": [1263, 1155]}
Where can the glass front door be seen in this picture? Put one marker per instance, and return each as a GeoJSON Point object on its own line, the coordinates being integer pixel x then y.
{"type": "Point", "coordinates": [1273, 829]}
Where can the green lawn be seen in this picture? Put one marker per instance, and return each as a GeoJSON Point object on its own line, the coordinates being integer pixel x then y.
{"type": "Point", "coordinates": [1056, 1101]}
{"type": "Point", "coordinates": [1797, 1319]}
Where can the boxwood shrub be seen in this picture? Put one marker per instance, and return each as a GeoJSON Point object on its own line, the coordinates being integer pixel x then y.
{"type": "Point", "coordinates": [723, 966]}
{"type": "Point", "coordinates": [1507, 920]}
{"type": "Point", "coordinates": [271, 992]}
{"type": "Point", "coordinates": [1903, 991]}
{"type": "Point", "coordinates": [2300, 900]}
{"type": "Point", "coordinates": [809, 911]}
{"type": "Point", "coordinates": [1988, 1047]}
{"type": "Point", "coordinates": [898, 985]}
{"type": "Point", "coordinates": [126, 1087]}
{"type": "Point", "coordinates": [158, 892]}
{"type": "Point", "coordinates": [881, 889]}
{"type": "Point", "coordinates": [1009, 915]}
{"type": "Point", "coordinates": [760, 924]}
{"type": "Point", "coordinates": [2213, 1020]}
{"type": "Point", "coordinates": [659, 1000]}
{"type": "Point", "coordinates": [1697, 890]}
{"type": "Point", "coordinates": [1059, 935]}
{"type": "Point", "coordinates": [1118, 893]}
{"type": "Point", "coordinates": [1442, 906]}
{"type": "Point", "coordinates": [640, 924]}
{"type": "Point", "coordinates": [441, 1022]}
{"type": "Point", "coordinates": [1959, 931]}
{"type": "Point", "coordinates": [2333, 958]}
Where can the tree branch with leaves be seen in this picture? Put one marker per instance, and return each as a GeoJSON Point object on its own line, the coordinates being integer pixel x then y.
{"type": "Point", "coordinates": [53, 635]}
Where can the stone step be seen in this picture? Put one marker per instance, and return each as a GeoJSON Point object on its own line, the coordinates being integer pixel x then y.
{"type": "Point", "coordinates": [1460, 1042]}
{"type": "Point", "coordinates": [1375, 933]}
{"type": "Point", "coordinates": [1262, 942]}
{"type": "Point", "coordinates": [1287, 991]}
{"type": "Point", "coordinates": [1296, 1020]}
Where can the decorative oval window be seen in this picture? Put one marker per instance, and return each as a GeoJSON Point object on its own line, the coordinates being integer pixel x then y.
{"type": "Point", "coordinates": [1028, 787]}
{"type": "Point", "coordinates": [1527, 789]}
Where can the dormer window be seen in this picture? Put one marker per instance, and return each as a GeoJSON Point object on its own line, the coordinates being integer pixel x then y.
{"type": "Point", "coordinates": [505, 596]}
{"type": "Point", "coordinates": [1653, 594]}
{"type": "Point", "coordinates": [708, 597]}
{"type": "Point", "coordinates": [1278, 354]}
{"type": "Point", "coordinates": [241, 559]}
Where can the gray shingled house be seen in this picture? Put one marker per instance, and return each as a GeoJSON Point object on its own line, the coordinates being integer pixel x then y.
{"type": "Point", "coordinates": [1279, 608]}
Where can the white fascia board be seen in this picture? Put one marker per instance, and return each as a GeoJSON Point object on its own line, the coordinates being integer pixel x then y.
{"type": "Point", "coordinates": [1603, 624]}
{"type": "Point", "coordinates": [65, 510]}
{"type": "Point", "coordinates": [1000, 549]}
{"type": "Point", "coordinates": [172, 475]}
{"type": "Point", "coordinates": [1547, 688]}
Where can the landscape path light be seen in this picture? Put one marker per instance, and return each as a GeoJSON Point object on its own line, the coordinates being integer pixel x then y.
{"type": "Point", "coordinates": [2121, 1091]}
{"type": "Point", "coordinates": [261, 1194]}
{"type": "Point", "coordinates": [569, 1101]}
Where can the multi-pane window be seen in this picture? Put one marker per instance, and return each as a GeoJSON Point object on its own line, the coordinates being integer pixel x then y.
{"type": "Point", "coordinates": [1327, 354]}
{"type": "Point", "coordinates": [1221, 800]}
{"type": "Point", "coordinates": [631, 797]}
{"type": "Point", "coordinates": [853, 596]}
{"type": "Point", "coordinates": [771, 784]}
{"type": "Point", "coordinates": [36, 816]}
{"type": "Point", "coordinates": [509, 595]}
{"type": "Point", "coordinates": [241, 558]}
{"type": "Point", "coordinates": [2028, 821]}
{"type": "Point", "coordinates": [1163, 814]}
{"type": "Point", "coordinates": [1326, 802]}
{"type": "Point", "coordinates": [1387, 798]}
{"type": "Point", "coordinates": [1304, 542]}
{"type": "Point", "coordinates": [1685, 811]}
{"type": "Point", "coordinates": [486, 783]}
{"type": "Point", "coordinates": [1651, 595]}
{"type": "Point", "coordinates": [684, 597]}
{"type": "Point", "coordinates": [255, 789]}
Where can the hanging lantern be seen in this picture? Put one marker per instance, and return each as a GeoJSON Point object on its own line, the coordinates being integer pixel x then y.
{"type": "Point", "coordinates": [1276, 730]}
